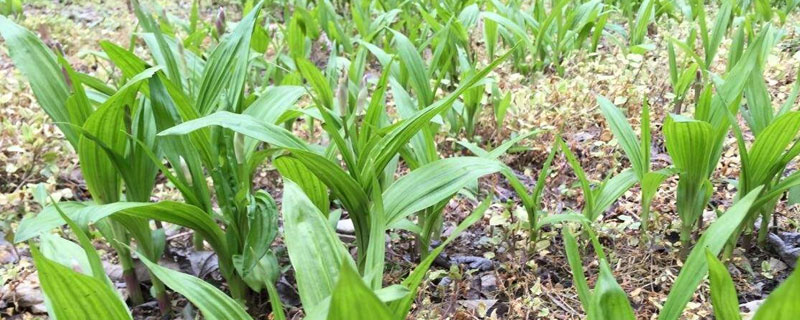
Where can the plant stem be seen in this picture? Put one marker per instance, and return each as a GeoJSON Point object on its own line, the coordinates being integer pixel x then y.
{"type": "Point", "coordinates": [160, 291]}
{"type": "Point", "coordinates": [239, 290]}
{"type": "Point", "coordinates": [197, 240]}
{"type": "Point", "coordinates": [686, 236]}
{"type": "Point", "coordinates": [131, 281]}
{"type": "Point", "coordinates": [763, 230]}
{"type": "Point", "coordinates": [644, 216]}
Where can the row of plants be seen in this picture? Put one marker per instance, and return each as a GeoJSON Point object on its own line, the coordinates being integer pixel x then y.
{"type": "Point", "coordinates": [207, 117]}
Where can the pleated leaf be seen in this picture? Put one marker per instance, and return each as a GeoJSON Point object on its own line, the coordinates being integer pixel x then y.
{"type": "Point", "coordinates": [314, 188]}
{"type": "Point", "coordinates": [226, 68]}
{"type": "Point", "coordinates": [723, 293]}
{"type": "Point", "coordinates": [609, 300]}
{"type": "Point", "coordinates": [244, 124]}
{"type": "Point", "coordinates": [353, 300]}
{"type": "Point", "coordinates": [623, 132]}
{"type": "Point", "coordinates": [433, 183]}
{"type": "Point", "coordinates": [213, 303]}
{"type": "Point", "coordinates": [696, 265]}
{"type": "Point", "coordinates": [315, 251]}
{"type": "Point", "coordinates": [41, 67]}
{"type": "Point", "coordinates": [74, 295]}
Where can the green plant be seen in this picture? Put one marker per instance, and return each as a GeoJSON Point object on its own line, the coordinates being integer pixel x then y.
{"type": "Point", "coordinates": [779, 305]}
{"type": "Point", "coordinates": [638, 153]}
{"type": "Point", "coordinates": [689, 140]}
{"type": "Point", "coordinates": [109, 154]}
{"type": "Point", "coordinates": [597, 199]}
{"type": "Point", "coordinates": [367, 150]}
{"type": "Point", "coordinates": [608, 301]}
{"type": "Point", "coordinates": [60, 90]}
{"type": "Point", "coordinates": [11, 7]}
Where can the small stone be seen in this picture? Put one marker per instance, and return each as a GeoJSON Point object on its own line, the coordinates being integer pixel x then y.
{"type": "Point", "coordinates": [488, 282]}
{"type": "Point", "coordinates": [345, 226]}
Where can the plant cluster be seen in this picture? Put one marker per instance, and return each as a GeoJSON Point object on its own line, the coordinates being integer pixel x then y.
{"type": "Point", "coordinates": [211, 102]}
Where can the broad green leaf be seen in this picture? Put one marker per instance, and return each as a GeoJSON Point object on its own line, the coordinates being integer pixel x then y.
{"type": "Point", "coordinates": [45, 220]}
{"type": "Point", "coordinates": [262, 224]}
{"type": "Point", "coordinates": [353, 300]}
{"type": "Point", "coordinates": [86, 244]}
{"type": "Point", "coordinates": [609, 300]}
{"type": "Point", "coordinates": [388, 147]}
{"type": "Point", "coordinates": [579, 278]}
{"type": "Point", "coordinates": [588, 193]}
{"type": "Point", "coordinates": [41, 67]}
{"type": "Point", "coordinates": [643, 18]}
{"type": "Point", "coordinates": [173, 212]}
{"type": "Point", "coordinates": [62, 286]}
{"type": "Point", "coordinates": [107, 124]}
{"type": "Point", "coordinates": [412, 61]}
{"type": "Point", "coordinates": [226, 68]}
{"type": "Point", "coordinates": [688, 143]}
{"type": "Point", "coordinates": [321, 87]}
{"type": "Point", "coordinates": [314, 249]}
{"type": "Point", "coordinates": [244, 124]}
{"type": "Point", "coordinates": [213, 303]}
{"type": "Point", "coordinates": [696, 266]}
{"type": "Point", "coordinates": [623, 132]}
{"type": "Point", "coordinates": [769, 147]}
{"type": "Point", "coordinates": [432, 183]}
{"type": "Point", "coordinates": [723, 292]}
{"type": "Point", "coordinates": [611, 191]}
{"type": "Point", "coordinates": [293, 169]}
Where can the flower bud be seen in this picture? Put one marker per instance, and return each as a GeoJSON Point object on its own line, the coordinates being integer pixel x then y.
{"type": "Point", "coordinates": [75, 265]}
{"type": "Point", "coordinates": [220, 23]}
{"type": "Point", "coordinates": [361, 101]}
{"type": "Point", "coordinates": [238, 147]}
{"type": "Point", "coordinates": [341, 94]}
{"type": "Point", "coordinates": [185, 169]}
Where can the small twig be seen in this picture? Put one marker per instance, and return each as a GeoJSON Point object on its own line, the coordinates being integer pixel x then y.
{"type": "Point", "coordinates": [172, 237]}
{"type": "Point", "coordinates": [560, 302]}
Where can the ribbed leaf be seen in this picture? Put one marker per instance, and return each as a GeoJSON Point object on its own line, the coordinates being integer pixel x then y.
{"type": "Point", "coordinates": [244, 124]}
{"type": "Point", "coordinates": [45, 220]}
{"type": "Point", "coordinates": [611, 191]}
{"type": "Point", "coordinates": [432, 183]}
{"type": "Point", "coordinates": [173, 212]}
{"type": "Point", "coordinates": [609, 300]}
{"type": "Point", "coordinates": [74, 295]}
{"type": "Point", "coordinates": [292, 169]}
{"type": "Point", "coordinates": [618, 123]}
{"type": "Point", "coordinates": [321, 87]}
{"type": "Point", "coordinates": [579, 278]}
{"type": "Point", "coordinates": [412, 61]}
{"type": "Point", "coordinates": [770, 146]}
{"type": "Point", "coordinates": [40, 66]}
{"type": "Point", "coordinates": [688, 143]}
{"type": "Point", "coordinates": [696, 266]}
{"type": "Point", "coordinates": [226, 68]}
{"type": "Point", "coordinates": [353, 300]}
{"type": "Point", "coordinates": [643, 18]}
{"type": "Point", "coordinates": [107, 124]}
{"type": "Point", "coordinates": [388, 147]}
{"type": "Point", "coordinates": [723, 292]}
{"type": "Point", "coordinates": [212, 302]}
{"type": "Point", "coordinates": [315, 251]}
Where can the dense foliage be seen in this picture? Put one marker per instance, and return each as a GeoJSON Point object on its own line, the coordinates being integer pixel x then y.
{"type": "Point", "coordinates": [356, 135]}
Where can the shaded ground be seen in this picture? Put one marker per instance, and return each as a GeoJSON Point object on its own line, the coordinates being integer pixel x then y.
{"type": "Point", "coordinates": [525, 281]}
